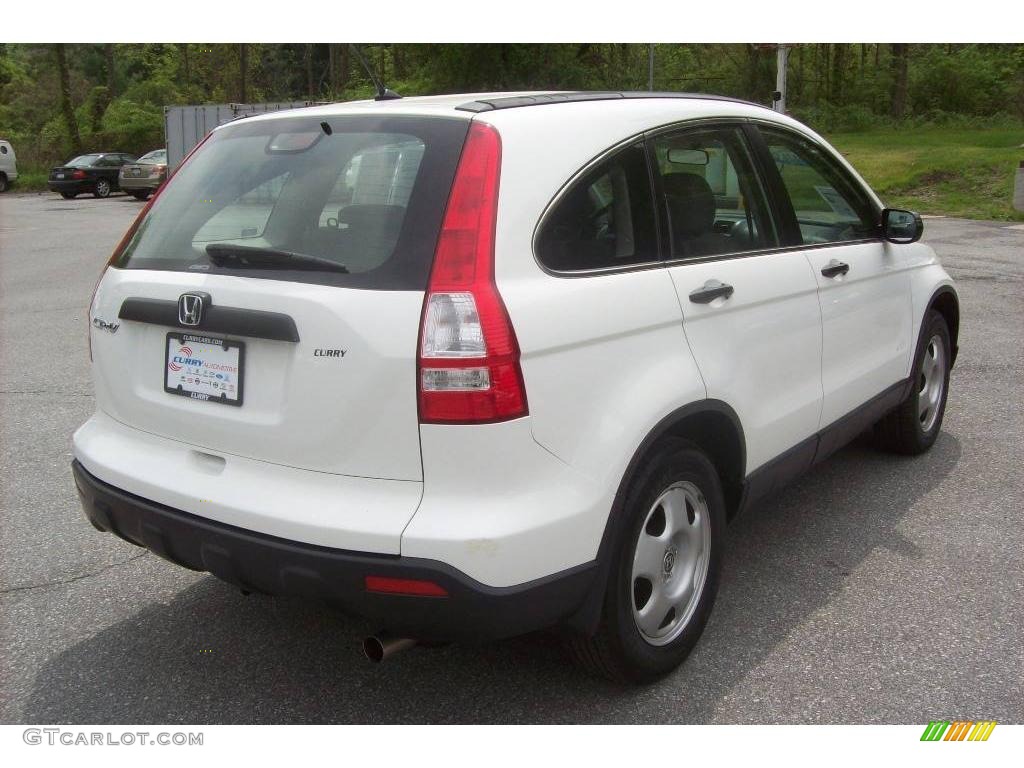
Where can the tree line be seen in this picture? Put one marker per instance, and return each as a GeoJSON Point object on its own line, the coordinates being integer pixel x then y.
{"type": "Point", "coordinates": [59, 99]}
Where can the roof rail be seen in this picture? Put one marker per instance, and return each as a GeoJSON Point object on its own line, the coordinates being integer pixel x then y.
{"type": "Point", "coordinates": [512, 102]}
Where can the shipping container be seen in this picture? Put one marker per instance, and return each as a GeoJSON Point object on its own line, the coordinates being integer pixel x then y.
{"type": "Point", "coordinates": [184, 127]}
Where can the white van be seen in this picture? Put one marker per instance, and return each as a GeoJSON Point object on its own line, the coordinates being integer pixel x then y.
{"type": "Point", "coordinates": [8, 165]}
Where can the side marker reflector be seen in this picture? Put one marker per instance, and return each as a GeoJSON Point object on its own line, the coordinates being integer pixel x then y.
{"type": "Point", "coordinates": [416, 587]}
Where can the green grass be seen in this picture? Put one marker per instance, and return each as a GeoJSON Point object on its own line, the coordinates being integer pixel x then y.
{"type": "Point", "coordinates": [950, 172]}
{"type": "Point", "coordinates": [945, 171]}
{"type": "Point", "coordinates": [30, 180]}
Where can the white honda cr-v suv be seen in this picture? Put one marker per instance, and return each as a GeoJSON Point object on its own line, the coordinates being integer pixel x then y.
{"type": "Point", "coordinates": [472, 366]}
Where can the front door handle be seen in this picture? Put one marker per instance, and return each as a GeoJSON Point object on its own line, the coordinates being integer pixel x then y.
{"type": "Point", "coordinates": [710, 291]}
{"type": "Point", "coordinates": [835, 268]}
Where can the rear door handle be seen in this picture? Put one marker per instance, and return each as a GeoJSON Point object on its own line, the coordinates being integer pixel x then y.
{"type": "Point", "coordinates": [835, 268]}
{"type": "Point", "coordinates": [710, 291]}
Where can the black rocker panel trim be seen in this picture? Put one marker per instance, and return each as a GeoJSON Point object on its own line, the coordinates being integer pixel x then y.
{"type": "Point", "coordinates": [773, 475]}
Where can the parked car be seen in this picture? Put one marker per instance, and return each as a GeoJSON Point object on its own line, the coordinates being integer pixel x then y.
{"type": "Point", "coordinates": [8, 165]}
{"type": "Point", "coordinates": [472, 366]}
{"type": "Point", "coordinates": [143, 177]}
{"type": "Point", "coordinates": [96, 172]}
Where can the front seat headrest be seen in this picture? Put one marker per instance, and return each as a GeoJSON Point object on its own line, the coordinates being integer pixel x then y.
{"type": "Point", "coordinates": [691, 204]}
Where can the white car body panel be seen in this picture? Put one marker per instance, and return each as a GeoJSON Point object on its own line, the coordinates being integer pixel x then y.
{"type": "Point", "coordinates": [8, 161]}
{"type": "Point", "coordinates": [927, 276]}
{"type": "Point", "coordinates": [501, 508]}
{"type": "Point", "coordinates": [331, 452]}
{"type": "Point", "coordinates": [299, 409]}
{"type": "Point", "coordinates": [295, 504]}
{"type": "Point", "coordinates": [866, 324]}
{"type": "Point", "coordinates": [759, 350]}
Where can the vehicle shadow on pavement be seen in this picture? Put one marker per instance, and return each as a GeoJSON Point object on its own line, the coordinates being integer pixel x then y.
{"type": "Point", "coordinates": [212, 655]}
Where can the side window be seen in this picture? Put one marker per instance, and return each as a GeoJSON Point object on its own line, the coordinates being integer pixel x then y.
{"type": "Point", "coordinates": [605, 219]}
{"type": "Point", "coordinates": [829, 205]}
{"type": "Point", "coordinates": [713, 200]}
{"type": "Point", "coordinates": [3, 149]}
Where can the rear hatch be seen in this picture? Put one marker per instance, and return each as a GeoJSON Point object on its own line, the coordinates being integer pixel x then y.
{"type": "Point", "coordinates": [268, 304]}
{"type": "Point", "coordinates": [137, 170]}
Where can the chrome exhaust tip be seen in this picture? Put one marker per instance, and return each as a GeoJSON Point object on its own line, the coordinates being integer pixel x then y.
{"type": "Point", "coordinates": [382, 645]}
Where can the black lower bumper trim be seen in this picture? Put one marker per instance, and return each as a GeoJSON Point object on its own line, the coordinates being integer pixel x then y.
{"type": "Point", "coordinates": [261, 563]}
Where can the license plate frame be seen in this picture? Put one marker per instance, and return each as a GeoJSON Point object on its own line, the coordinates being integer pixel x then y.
{"type": "Point", "coordinates": [204, 377]}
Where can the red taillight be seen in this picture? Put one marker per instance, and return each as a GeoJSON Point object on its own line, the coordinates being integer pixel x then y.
{"type": "Point", "coordinates": [468, 360]}
{"type": "Point", "coordinates": [79, 174]}
{"type": "Point", "coordinates": [418, 587]}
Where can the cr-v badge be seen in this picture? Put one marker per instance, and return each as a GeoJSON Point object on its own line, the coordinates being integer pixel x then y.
{"type": "Point", "coordinates": [103, 325]}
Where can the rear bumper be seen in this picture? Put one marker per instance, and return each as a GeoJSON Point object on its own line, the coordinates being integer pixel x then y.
{"type": "Point", "coordinates": [76, 186]}
{"type": "Point", "coordinates": [139, 182]}
{"type": "Point", "coordinates": [273, 565]}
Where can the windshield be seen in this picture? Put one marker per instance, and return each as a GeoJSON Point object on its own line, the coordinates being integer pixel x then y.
{"type": "Point", "coordinates": [84, 160]}
{"type": "Point", "coordinates": [155, 157]}
{"type": "Point", "coordinates": [367, 193]}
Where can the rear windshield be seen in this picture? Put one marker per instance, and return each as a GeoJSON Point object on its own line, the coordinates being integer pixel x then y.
{"type": "Point", "coordinates": [84, 160]}
{"type": "Point", "coordinates": [154, 157]}
{"type": "Point", "coordinates": [366, 193]}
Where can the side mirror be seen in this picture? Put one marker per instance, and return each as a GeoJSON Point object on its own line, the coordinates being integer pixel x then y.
{"type": "Point", "coordinates": [900, 226]}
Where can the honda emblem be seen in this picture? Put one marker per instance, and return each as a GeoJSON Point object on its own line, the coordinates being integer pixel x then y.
{"type": "Point", "coordinates": [190, 308]}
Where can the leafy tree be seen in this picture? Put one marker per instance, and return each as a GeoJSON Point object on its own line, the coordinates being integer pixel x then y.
{"type": "Point", "coordinates": [56, 98]}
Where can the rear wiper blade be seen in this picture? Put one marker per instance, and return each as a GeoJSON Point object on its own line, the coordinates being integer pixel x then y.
{"type": "Point", "coordinates": [254, 257]}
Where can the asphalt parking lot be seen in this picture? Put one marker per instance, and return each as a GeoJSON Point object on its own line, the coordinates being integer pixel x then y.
{"type": "Point", "coordinates": [878, 589]}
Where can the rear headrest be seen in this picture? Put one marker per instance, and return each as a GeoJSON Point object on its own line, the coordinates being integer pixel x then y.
{"type": "Point", "coordinates": [691, 204]}
{"type": "Point", "coordinates": [376, 217]}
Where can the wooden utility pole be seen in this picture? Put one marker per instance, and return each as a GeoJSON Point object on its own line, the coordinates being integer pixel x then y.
{"type": "Point", "coordinates": [781, 67]}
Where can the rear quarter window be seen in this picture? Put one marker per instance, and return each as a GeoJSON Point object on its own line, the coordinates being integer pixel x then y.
{"type": "Point", "coordinates": [604, 219]}
{"type": "Point", "coordinates": [369, 195]}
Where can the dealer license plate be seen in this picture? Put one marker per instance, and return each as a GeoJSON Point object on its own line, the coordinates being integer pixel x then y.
{"type": "Point", "coordinates": [204, 368]}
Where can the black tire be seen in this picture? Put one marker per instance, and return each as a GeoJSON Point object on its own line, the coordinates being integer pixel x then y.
{"type": "Point", "coordinates": [618, 650]}
{"type": "Point", "coordinates": [3, 182]}
{"type": "Point", "coordinates": [140, 195]}
{"type": "Point", "coordinates": [904, 429]}
{"type": "Point", "coordinates": [69, 195]}
{"type": "Point", "coordinates": [103, 188]}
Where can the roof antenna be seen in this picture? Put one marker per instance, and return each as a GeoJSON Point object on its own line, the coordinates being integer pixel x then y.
{"type": "Point", "coordinates": [383, 93]}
